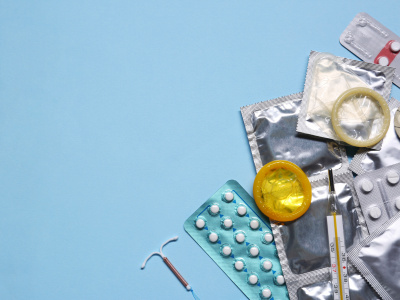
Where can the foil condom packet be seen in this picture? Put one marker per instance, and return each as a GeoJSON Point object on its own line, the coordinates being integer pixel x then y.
{"type": "Point", "coordinates": [329, 76]}
{"type": "Point", "coordinates": [367, 160]}
{"type": "Point", "coordinates": [271, 131]}
{"type": "Point", "coordinates": [376, 258]}
{"type": "Point", "coordinates": [303, 246]}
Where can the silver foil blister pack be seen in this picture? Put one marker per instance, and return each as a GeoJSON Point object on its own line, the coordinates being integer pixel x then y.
{"type": "Point", "coordinates": [377, 258]}
{"type": "Point", "coordinates": [303, 249]}
{"type": "Point", "coordinates": [271, 131]}
{"type": "Point", "coordinates": [372, 42]}
{"type": "Point", "coordinates": [328, 76]}
{"type": "Point", "coordinates": [367, 160]}
{"type": "Point", "coordinates": [379, 194]}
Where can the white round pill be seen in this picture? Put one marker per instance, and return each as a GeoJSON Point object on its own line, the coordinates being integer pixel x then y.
{"type": "Point", "coordinates": [228, 223]}
{"type": "Point", "coordinates": [228, 196]}
{"type": "Point", "coordinates": [254, 251]}
{"type": "Point", "coordinates": [375, 212]}
{"type": "Point", "coordinates": [227, 250]}
{"type": "Point", "coordinates": [213, 237]}
{"type": "Point", "coordinates": [239, 265]}
{"type": "Point", "coordinates": [383, 61]}
{"type": "Point", "coordinates": [268, 237]}
{"type": "Point", "coordinates": [397, 203]}
{"type": "Point", "coordinates": [395, 47]}
{"type": "Point", "coordinates": [214, 208]}
{"type": "Point", "coordinates": [241, 210]}
{"type": "Point", "coordinates": [253, 279]}
{"type": "Point", "coordinates": [267, 265]}
{"type": "Point", "coordinates": [280, 280]}
{"type": "Point", "coordinates": [254, 224]}
{"type": "Point", "coordinates": [240, 237]}
{"type": "Point", "coordinates": [392, 177]}
{"type": "Point", "coordinates": [200, 223]}
{"type": "Point", "coordinates": [366, 186]}
{"type": "Point", "coordinates": [266, 293]}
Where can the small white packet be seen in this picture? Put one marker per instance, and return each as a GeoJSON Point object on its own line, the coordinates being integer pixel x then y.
{"type": "Point", "coordinates": [328, 76]}
{"type": "Point", "coordinates": [372, 42]}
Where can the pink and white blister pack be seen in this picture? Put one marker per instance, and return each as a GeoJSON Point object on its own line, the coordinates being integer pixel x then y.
{"type": "Point", "coordinates": [372, 42]}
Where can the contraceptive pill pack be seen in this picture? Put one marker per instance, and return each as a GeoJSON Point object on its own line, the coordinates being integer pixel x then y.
{"type": "Point", "coordinates": [238, 237]}
{"type": "Point", "coordinates": [379, 194]}
{"type": "Point", "coordinates": [372, 42]}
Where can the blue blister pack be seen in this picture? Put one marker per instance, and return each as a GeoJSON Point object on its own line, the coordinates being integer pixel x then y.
{"type": "Point", "coordinates": [238, 237]}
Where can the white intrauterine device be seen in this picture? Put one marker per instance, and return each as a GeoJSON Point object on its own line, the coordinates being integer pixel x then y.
{"type": "Point", "coordinates": [337, 247]}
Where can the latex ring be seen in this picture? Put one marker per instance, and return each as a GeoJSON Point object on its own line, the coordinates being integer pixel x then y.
{"type": "Point", "coordinates": [364, 92]}
{"type": "Point", "coordinates": [294, 199]}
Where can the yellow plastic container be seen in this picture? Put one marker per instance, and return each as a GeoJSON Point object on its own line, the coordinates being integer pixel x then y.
{"type": "Point", "coordinates": [282, 191]}
{"type": "Point", "coordinates": [353, 137]}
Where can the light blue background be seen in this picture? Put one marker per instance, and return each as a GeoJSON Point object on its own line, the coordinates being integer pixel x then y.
{"type": "Point", "coordinates": [118, 119]}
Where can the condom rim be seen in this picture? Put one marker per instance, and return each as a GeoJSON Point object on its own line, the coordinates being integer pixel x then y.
{"type": "Point", "coordinates": [365, 92]}
{"type": "Point", "coordinates": [301, 176]}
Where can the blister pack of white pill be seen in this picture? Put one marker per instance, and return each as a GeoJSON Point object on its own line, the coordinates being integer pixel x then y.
{"type": "Point", "coordinates": [303, 246]}
{"type": "Point", "coordinates": [238, 237]}
{"type": "Point", "coordinates": [372, 42]}
{"type": "Point", "coordinates": [379, 194]}
{"type": "Point", "coordinates": [367, 160]}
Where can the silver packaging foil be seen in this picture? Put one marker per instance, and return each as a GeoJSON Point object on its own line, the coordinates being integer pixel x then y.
{"type": "Point", "coordinates": [271, 131]}
{"type": "Point", "coordinates": [302, 245]}
{"type": "Point", "coordinates": [377, 258]}
{"type": "Point", "coordinates": [327, 77]}
{"type": "Point", "coordinates": [367, 160]}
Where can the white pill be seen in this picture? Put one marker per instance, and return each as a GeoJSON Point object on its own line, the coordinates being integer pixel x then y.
{"type": "Point", "coordinates": [240, 237]}
{"type": "Point", "coordinates": [228, 223]}
{"type": "Point", "coordinates": [280, 280]}
{"type": "Point", "coordinates": [254, 224]}
{"type": "Point", "coordinates": [239, 265]}
{"type": "Point", "coordinates": [266, 293]}
{"type": "Point", "coordinates": [241, 210]}
{"type": "Point", "coordinates": [375, 212]}
{"type": "Point", "coordinates": [254, 251]}
{"type": "Point", "coordinates": [268, 237]}
{"type": "Point", "coordinates": [227, 250]}
{"type": "Point", "coordinates": [200, 223]}
{"type": "Point", "coordinates": [213, 237]}
{"type": "Point", "coordinates": [267, 265]}
{"type": "Point", "coordinates": [253, 279]}
{"type": "Point", "coordinates": [228, 196]}
{"type": "Point", "coordinates": [383, 61]}
{"type": "Point", "coordinates": [366, 186]}
{"type": "Point", "coordinates": [397, 203]}
{"type": "Point", "coordinates": [392, 177]}
{"type": "Point", "coordinates": [214, 209]}
{"type": "Point", "coordinates": [395, 47]}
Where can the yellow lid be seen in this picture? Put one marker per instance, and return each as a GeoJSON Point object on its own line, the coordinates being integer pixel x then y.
{"type": "Point", "coordinates": [282, 191]}
{"type": "Point", "coordinates": [360, 117]}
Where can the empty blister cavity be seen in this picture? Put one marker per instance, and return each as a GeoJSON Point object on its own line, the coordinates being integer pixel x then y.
{"type": "Point", "coordinates": [369, 160]}
{"type": "Point", "coordinates": [328, 77]}
{"type": "Point", "coordinates": [234, 238]}
{"type": "Point", "coordinates": [384, 195]}
{"type": "Point", "coordinates": [272, 135]}
{"type": "Point", "coordinates": [303, 246]}
{"type": "Point", "coordinates": [376, 259]}
{"type": "Point", "coordinates": [373, 42]}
